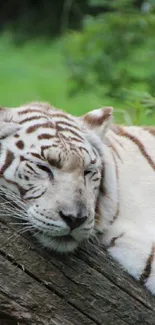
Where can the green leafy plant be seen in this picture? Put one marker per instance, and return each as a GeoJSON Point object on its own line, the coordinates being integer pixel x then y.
{"type": "Point", "coordinates": [113, 52]}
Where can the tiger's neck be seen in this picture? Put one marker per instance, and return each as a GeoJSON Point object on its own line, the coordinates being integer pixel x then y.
{"type": "Point", "coordinates": [108, 204]}
{"type": "Point", "coordinates": [128, 157]}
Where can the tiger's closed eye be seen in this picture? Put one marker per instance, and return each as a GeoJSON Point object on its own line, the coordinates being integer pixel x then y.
{"type": "Point", "coordinates": [86, 172]}
{"type": "Point", "coordinates": [46, 169]}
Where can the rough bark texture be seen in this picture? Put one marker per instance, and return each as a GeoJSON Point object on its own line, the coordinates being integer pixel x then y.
{"type": "Point", "coordinates": [86, 288]}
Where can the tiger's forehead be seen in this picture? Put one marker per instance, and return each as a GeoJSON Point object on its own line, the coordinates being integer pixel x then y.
{"type": "Point", "coordinates": [44, 124]}
{"type": "Point", "coordinates": [66, 158]}
{"type": "Point", "coordinates": [35, 117]}
{"type": "Point", "coordinates": [69, 156]}
{"type": "Point", "coordinates": [55, 136]}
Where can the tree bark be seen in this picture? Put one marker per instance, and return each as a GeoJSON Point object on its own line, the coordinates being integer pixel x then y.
{"type": "Point", "coordinates": [85, 288]}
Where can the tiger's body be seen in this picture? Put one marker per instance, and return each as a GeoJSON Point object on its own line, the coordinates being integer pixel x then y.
{"type": "Point", "coordinates": [127, 204]}
{"type": "Point", "coordinates": [74, 177]}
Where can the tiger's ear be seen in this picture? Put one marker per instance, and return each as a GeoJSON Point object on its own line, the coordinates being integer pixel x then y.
{"type": "Point", "coordinates": [98, 120]}
{"type": "Point", "coordinates": [8, 125]}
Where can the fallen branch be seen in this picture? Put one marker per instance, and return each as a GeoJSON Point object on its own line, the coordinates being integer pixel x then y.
{"type": "Point", "coordinates": [86, 288]}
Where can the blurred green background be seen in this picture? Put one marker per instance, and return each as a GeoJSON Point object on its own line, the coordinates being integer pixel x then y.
{"type": "Point", "coordinates": [80, 55]}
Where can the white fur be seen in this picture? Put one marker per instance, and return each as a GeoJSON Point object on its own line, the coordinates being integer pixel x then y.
{"type": "Point", "coordinates": [131, 236]}
{"type": "Point", "coordinates": [52, 190]}
{"type": "Point", "coordinates": [127, 197]}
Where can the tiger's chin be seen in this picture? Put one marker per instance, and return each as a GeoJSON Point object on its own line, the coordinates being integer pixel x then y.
{"type": "Point", "coordinates": [60, 244]}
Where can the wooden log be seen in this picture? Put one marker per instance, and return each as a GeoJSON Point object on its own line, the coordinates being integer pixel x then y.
{"type": "Point", "coordinates": [38, 287]}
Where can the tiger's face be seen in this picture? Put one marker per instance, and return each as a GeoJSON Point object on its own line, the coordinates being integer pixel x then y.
{"type": "Point", "coordinates": [53, 163]}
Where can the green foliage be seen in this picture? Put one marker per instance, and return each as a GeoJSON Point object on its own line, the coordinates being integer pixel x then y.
{"type": "Point", "coordinates": [116, 5]}
{"type": "Point", "coordinates": [114, 52]}
{"type": "Point", "coordinates": [37, 71]}
{"type": "Point", "coordinates": [140, 108]}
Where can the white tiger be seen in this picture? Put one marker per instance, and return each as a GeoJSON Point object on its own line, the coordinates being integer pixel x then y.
{"type": "Point", "coordinates": [76, 176]}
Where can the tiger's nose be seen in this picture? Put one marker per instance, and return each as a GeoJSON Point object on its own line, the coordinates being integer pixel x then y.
{"type": "Point", "coordinates": [73, 221]}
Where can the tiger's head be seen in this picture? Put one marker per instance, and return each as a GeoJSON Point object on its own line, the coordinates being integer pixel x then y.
{"type": "Point", "coordinates": [52, 163]}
